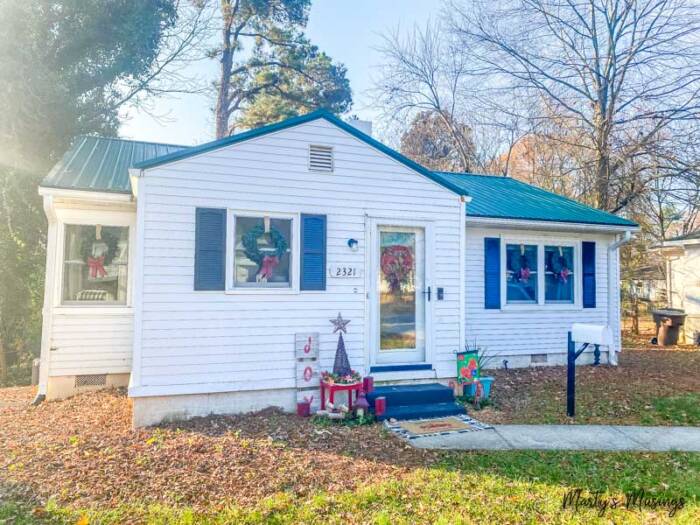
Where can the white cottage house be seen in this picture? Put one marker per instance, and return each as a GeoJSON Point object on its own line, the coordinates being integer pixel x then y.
{"type": "Point", "coordinates": [189, 273]}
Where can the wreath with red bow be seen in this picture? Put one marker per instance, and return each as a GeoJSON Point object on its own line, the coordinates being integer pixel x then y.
{"type": "Point", "coordinates": [397, 264]}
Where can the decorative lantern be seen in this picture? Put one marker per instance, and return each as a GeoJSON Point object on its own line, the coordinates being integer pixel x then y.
{"type": "Point", "coordinates": [361, 406]}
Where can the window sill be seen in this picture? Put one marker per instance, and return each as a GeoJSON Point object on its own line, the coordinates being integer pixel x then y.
{"type": "Point", "coordinates": [93, 309]}
{"type": "Point", "coordinates": [541, 308]}
{"type": "Point", "coordinates": [262, 291]}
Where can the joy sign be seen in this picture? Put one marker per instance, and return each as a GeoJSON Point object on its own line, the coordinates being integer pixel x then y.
{"type": "Point", "coordinates": [306, 345]}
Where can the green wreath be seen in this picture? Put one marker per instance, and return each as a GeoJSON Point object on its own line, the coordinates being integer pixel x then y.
{"type": "Point", "coordinates": [250, 243]}
{"type": "Point", "coordinates": [111, 239]}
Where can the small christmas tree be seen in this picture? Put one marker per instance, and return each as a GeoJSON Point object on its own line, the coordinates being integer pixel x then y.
{"type": "Point", "coordinates": [341, 366]}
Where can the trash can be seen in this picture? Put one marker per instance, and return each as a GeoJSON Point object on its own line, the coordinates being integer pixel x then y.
{"type": "Point", "coordinates": [669, 322]}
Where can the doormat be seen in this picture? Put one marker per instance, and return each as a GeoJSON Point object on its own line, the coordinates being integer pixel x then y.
{"type": "Point", "coordinates": [439, 426]}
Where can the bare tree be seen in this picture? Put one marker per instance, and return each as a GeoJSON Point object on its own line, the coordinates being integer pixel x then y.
{"type": "Point", "coordinates": [421, 74]}
{"type": "Point", "coordinates": [621, 71]}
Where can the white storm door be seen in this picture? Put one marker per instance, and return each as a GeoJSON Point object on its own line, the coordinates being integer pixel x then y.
{"type": "Point", "coordinates": [400, 294]}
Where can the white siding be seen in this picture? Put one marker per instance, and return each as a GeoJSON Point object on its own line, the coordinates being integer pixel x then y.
{"type": "Point", "coordinates": [540, 329]}
{"type": "Point", "coordinates": [213, 341]}
{"type": "Point", "coordinates": [85, 343]}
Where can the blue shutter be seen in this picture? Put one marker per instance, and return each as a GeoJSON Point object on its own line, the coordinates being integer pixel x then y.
{"type": "Point", "coordinates": [313, 252]}
{"type": "Point", "coordinates": [210, 249]}
{"type": "Point", "coordinates": [588, 270]}
{"type": "Point", "coordinates": [492, 273]}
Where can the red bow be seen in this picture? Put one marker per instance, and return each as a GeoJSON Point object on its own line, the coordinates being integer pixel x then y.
{"type": "Point", "coordinates": [269, 263]}
{"type": "Point", "coordinates": [97, 267]}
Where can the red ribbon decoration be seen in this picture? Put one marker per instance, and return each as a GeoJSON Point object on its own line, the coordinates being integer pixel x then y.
{"type": "Point", "coordinates": [269, 263]}
{"type": "Point", "coordinates": [524, 274]}
{"type": "Point", "coordinates": [564, 274]}
{"type": "Point", "coordinates": [97, 267]}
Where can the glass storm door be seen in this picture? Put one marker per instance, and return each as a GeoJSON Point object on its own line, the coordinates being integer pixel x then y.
{"type": "Point", "coordinates": [400, 295]}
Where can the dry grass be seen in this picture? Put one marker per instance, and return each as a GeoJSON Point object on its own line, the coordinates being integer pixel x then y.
{"type": "Point", "coordinates": [626, 394]}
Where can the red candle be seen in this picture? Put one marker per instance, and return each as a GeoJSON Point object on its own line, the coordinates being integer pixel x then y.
{"type": "Point", "coordinates": [379, 406]}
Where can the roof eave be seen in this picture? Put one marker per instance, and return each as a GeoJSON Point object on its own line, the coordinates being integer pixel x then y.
{"type": "Point", "coordinates": [541, 224]}
{"type": "Point", "coordinates": [295, 121]}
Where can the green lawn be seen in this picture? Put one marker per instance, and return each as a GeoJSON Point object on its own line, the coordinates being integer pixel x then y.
{"type": "Point", "coordinates": [498, 487]}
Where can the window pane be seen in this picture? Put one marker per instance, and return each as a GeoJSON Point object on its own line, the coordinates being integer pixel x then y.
{"type": "Point", "coordinates": [559, 274]}
{"type": "Point", "coordinates": [95, 263]}
{"type": "Point", "coordinates": [262, 259]}
{"type": "Point", "coordinates": [521, 273]}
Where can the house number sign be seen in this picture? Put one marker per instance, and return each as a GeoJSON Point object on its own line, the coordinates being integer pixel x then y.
{"type": "Point", "coordinates": [344, 271]}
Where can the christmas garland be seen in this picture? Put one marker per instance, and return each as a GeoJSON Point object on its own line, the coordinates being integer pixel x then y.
{"type": "Point", "coordinates": [250, 243]}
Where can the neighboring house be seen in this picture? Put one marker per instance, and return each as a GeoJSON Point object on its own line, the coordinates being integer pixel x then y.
{"type": "Point", "coordinates": [682, 256]}
{"type": "Point", "coordinates": [648, 283]}
{"type": "Point", "coordinates": [188, 273]}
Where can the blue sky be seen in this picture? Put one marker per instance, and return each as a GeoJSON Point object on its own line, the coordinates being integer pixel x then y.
{"type": "Point", "coordinates": [346, 29]}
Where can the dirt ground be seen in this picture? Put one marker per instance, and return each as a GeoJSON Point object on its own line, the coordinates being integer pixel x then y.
{"type": "Point", "coordinates": [82, 451]}
{"type": "Point", "coordinates": [625, 394]}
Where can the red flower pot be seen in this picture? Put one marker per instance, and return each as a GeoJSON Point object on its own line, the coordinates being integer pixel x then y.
{"type": "Point", "coordinates": [303, 409]}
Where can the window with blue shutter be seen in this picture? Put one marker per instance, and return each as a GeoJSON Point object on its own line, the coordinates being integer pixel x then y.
{"type": "Point", "coordinates": [313, 252]}
{"type": "Point", "coordinates": [210, 249]}
{"type": "Point", "coordinates": [492, 273]}
{"type": "Point", "coordinates": [588, 272]}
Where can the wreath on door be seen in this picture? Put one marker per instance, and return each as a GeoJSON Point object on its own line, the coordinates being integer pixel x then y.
{"type": "Point", "coordinates": [396, 263]}
{"type": "Point", "coordinates": [267, 261]}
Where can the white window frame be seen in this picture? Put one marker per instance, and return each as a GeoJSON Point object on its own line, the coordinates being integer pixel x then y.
{"type": "Point", "coordinates": [541, 242]}
{"type": "Point", "coordinates": [295, 256]}
{"type": "Point", "coordinates": [78, 218]}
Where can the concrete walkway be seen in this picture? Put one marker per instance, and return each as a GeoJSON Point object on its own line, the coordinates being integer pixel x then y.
{"type": "Point", "coordinates": [568, 437]}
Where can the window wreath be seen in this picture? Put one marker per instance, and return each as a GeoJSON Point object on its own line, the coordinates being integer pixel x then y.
{"type": "Point", "coordinates": [99, 250]}
{"type": "Point", "coordinates": [265, 261]}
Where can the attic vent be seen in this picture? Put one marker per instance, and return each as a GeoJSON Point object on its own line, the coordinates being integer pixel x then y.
{"type": "Point", "coordinates": [91, 380]}
{"type": "Point", "coordinates": [320, 158]}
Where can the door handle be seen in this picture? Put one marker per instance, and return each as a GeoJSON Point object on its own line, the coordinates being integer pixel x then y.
{"type": "Point", "coordinates": [428, 293]}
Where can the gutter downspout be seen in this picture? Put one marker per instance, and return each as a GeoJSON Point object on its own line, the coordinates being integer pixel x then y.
{"type": "Point", "coordinates": [614, 304]}
{"type": "Point", "coordinates": [464, 202]}
{"type": "Point", "coordinates": [47, 309]}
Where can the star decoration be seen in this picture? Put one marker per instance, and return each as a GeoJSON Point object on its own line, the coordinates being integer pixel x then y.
{"type": "Point", "coordinates": [339, 324]}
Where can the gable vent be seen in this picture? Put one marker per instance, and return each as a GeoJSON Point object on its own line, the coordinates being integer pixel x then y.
{"type": "Point", "coordinates": [320, 158]}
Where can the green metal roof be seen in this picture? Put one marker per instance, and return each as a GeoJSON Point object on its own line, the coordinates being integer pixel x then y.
{"type": "Point", "coordinates": [507, 198]}
{"type": "Point", "coordinates": [102, 164]}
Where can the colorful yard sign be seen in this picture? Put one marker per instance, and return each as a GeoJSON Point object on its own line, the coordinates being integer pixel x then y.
{"type": "Point", "coordinates": [306, 345]}
{"type": "Point", "coordinates": [468, 367]}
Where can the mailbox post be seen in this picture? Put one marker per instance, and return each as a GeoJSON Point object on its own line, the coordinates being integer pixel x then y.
{"type": "Point", "coordinates": [586, 334]}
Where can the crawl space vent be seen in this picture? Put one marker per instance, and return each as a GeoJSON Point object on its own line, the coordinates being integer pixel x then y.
{"type": "Point", "coordinates": [320, 158]}
{"type": "Point", "coordinates": [91, 380]}
{"type": "Point", "coordinates": [538, 358]}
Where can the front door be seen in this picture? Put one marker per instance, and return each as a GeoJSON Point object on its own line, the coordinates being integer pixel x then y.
{"type": "Point", "coordinates": [400, 294]}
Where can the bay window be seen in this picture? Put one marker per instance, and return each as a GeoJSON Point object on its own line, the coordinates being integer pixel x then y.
{"type": "Point", "coordinates": [95, 264]}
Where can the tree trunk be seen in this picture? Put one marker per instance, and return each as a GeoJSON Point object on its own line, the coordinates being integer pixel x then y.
{"type": "Point", "coordinates": [222, 111]}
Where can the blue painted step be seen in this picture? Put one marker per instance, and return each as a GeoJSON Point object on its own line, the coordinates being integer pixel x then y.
{"type": "Point", "coordinates": [416, 401]}
{"type": "Point", "coordinates": [422, 411]}
{"type": "Point", "coordinates": [412, 394]}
